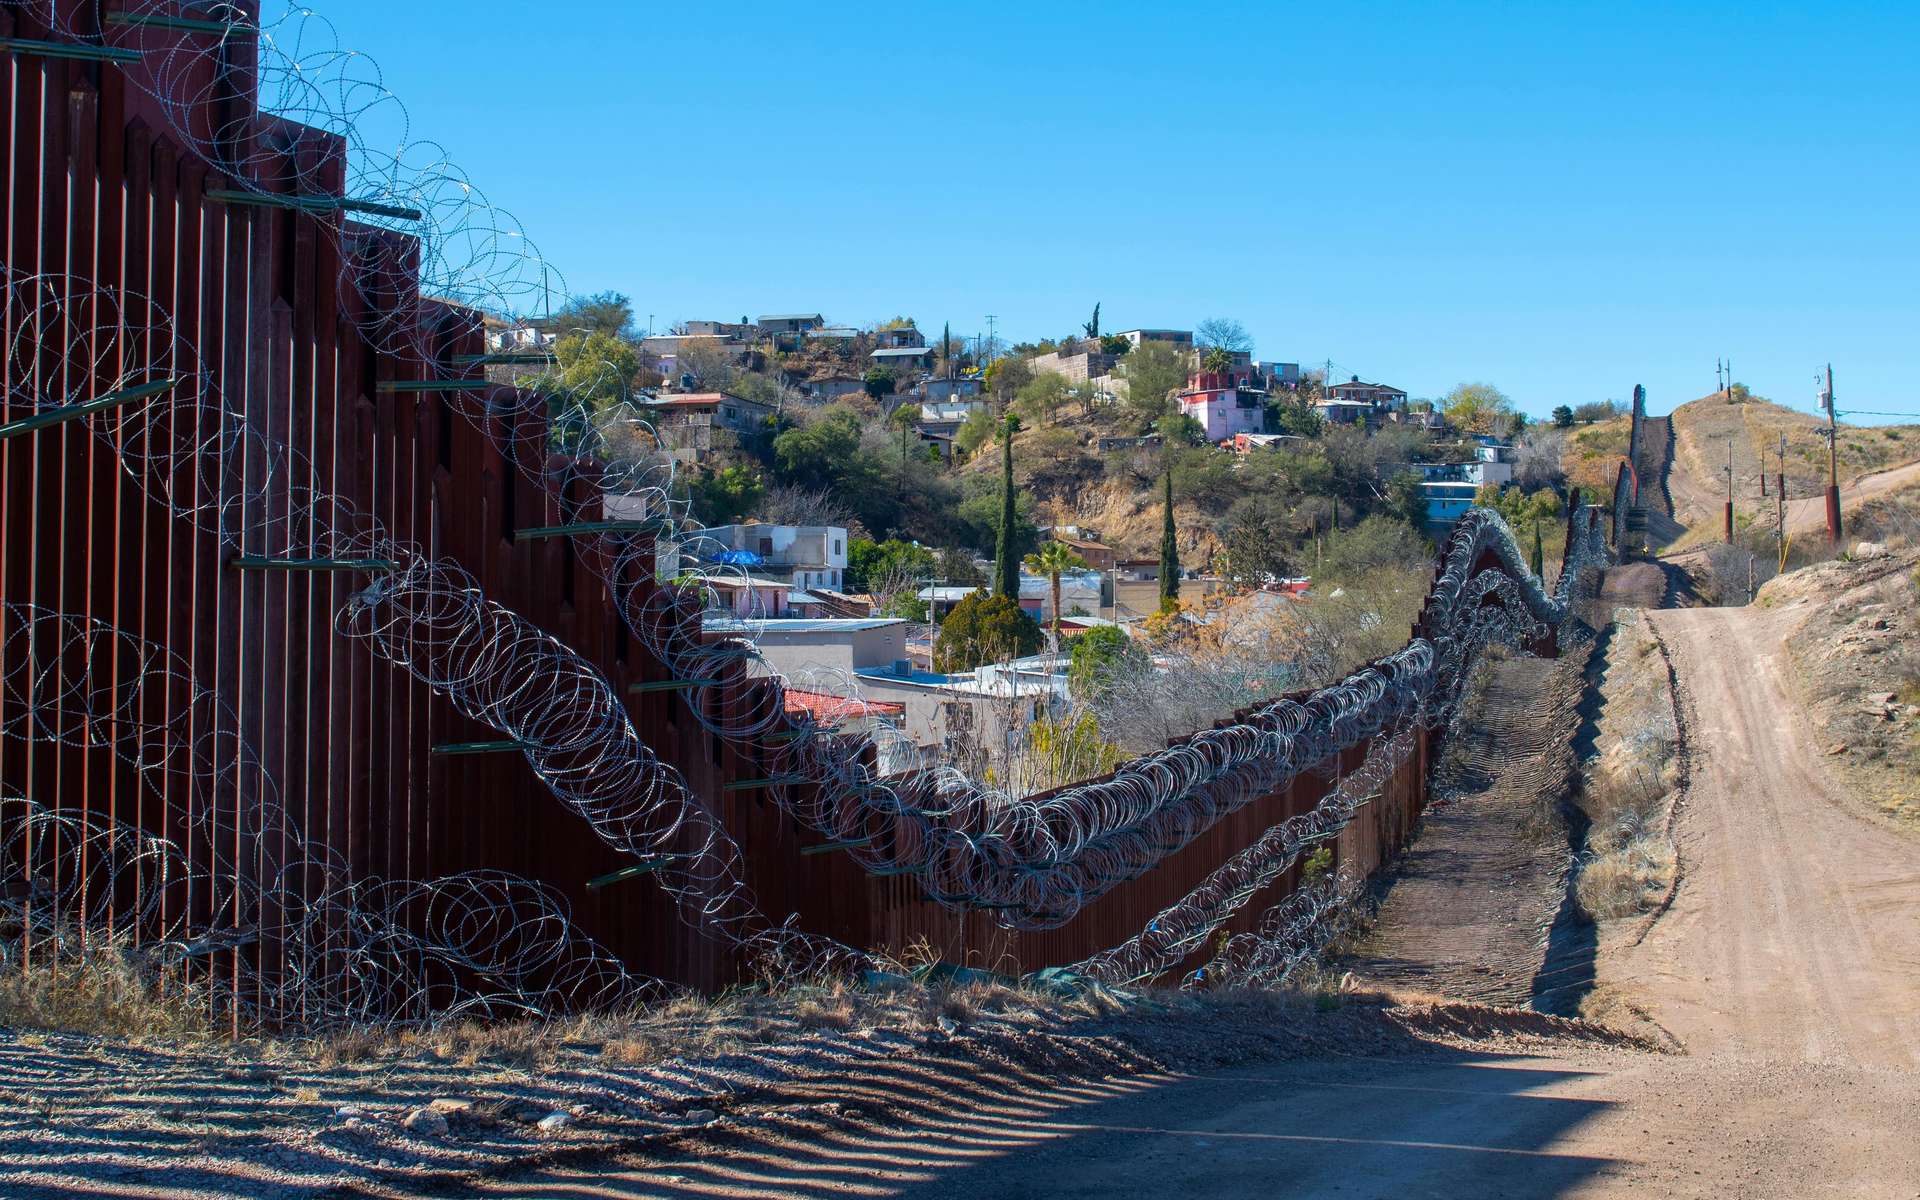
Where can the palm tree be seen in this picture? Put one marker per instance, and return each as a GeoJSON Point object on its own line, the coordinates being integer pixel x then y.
{"type": "Point", "coordinates": [1054, 560]}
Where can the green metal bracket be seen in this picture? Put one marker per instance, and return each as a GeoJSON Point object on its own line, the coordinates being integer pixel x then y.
{"type": "Point", "coordinates": [502, 360]}
{"type": "Point", "coordinates": [432, 385]}
{"type": "Point", "coordinates": [653, 863]}
{"type": "Point", "coordinates": [547, 531]}
{"type": "Point", "coordinates": [670, 685]}
{"type": "Point", "coordinates": [480, 747]}
{"type": "Point", "coordinates": [256, 563]}
{"type": "Point", "coordinates": [188, 24]}
{"type": "Point", "coordinates": [748, 785]}
{"type": "Point", "coordinates": [73, 412]}
{"type": "Point", "coordinates": [824, 847]}
{"type": "Point", "coordinates": [313, 204]}
{"type": "Point", "coordinates": [75, 50]}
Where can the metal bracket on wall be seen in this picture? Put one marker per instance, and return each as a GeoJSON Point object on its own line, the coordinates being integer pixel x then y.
{"type": "Point", "coordinates": [75, 50]}
{"type": "Point", "coordinates": [73, 412]}
{"type": "Point", "coordinates": [248, 562]}
{"type": "Point", "coordinates": [431, 385]}
{"type": "Point", "coordinates": [186, 24]}
{"type": "Point", "coordinates": [652, 863]}
{"type": "Point", "coordinates": [314, 204]}
{"type": "Point", "coordinates": [850, 844]}
{"type": "Point", "coordinates": [480, 747]}
{"type": "Point", "coordinates": [671, 685]}
{"type": "Point", "coordinates": [501, 360]}
{"type": "Point", "coordinates": [547, 531]}
{"type": "Point", "coordinates": [748, 785]}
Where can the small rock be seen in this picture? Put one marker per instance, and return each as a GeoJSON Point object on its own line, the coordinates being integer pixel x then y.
{"type": "Point", "coordinates": [448, 1107]}
{"type": "Point", "coordinates": [347, 1112]}
{"type": "Point", "coordinates": [554, 1122]}
{"type": "Point", "coordinates": [948, 1025]}
{"type": "Point", "coordinates": [1837, 748]}
{"type": "Point", "coordinates": [702, 1116]}
{"type": "Point", "coordinates": [426, 1121]}
{"type": "Point", "coordinates": [1869, 550]}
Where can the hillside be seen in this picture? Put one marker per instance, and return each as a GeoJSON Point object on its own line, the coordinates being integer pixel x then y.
{"type": "Point", "coordinates": [1702, 430]}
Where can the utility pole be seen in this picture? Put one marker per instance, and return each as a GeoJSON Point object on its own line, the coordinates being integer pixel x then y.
{"type": "Point", "coordinates": [1719, 375]}
{"type": "Point", "coordinates": [991, 355]}
{"type": "Point", "coordinates": [1780, 503]}
{"type": "Point", "coordinates": [1833, 462]}
{"type": "Point", "coordinates": [1729, 515]}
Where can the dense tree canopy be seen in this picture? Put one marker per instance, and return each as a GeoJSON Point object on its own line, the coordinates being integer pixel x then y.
{"type": "Point", "coordinates": [984, 627]}
{"type": "Point", "coordinates": [1479, 408]}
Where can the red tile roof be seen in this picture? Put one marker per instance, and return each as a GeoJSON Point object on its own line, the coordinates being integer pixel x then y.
{"type": "Point", "coordinates": [831, 710]}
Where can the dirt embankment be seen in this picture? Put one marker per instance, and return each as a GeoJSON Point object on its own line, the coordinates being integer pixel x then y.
{"type": "Point", "coordinates": [1851, 638]}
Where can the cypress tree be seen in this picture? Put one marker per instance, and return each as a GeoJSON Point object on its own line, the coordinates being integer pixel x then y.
{"type": "Point", "coordinates": [1169, 552]}
{"type": "Point", "coordinates": [1006, 556]}
{"type": "Point", "coordinates": [1538, 561]}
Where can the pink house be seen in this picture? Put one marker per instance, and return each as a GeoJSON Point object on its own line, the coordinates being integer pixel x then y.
{"type": "Point", "coordinates": [1223, 406]}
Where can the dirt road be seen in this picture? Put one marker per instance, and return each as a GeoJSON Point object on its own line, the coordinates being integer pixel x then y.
{"type": "Point", "coordinates": [1810, 512]}
{"type": "Point", "coordinates": [1795, 934]}
{"type": "Point", "coordinates": [1491, 1124]}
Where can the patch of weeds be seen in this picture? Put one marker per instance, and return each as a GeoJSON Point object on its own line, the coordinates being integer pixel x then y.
{"type": "Point", "coordinates": [104, 990]}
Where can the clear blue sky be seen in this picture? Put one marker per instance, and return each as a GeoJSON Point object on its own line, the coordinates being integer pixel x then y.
{"type": "Point", "coordinates": [1563, 201]}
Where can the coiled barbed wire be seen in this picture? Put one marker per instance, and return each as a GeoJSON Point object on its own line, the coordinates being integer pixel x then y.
{"type": "Point", "coordinates": [424, 616]}
{"type": "Point", "coordinates": [1291, 933]}
{"type": "Point", "coordinates": [1184, 927]}
{"type": "Point", "coordinates": [187, 876]}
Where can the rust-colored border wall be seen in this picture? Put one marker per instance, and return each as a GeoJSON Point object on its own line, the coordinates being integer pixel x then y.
{"type": "Point", "coordinates": [96, 187]}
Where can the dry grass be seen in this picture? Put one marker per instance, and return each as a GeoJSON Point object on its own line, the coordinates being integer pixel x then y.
{"type": "Point", "coordinates": [1629, 788]}
{"type": "Point", "coordinates": [688, 1026]}
{"type": "Point", "coordinates": [103, 991]}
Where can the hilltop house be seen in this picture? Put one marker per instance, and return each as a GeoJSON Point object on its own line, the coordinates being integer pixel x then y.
{"type": "Point", "coordinates": [1358, 403]}
{"type": "Point", "coordinates": [787, 331]}
{"type": "Point", "coordinates": [833, 387]}
{"type": "Point", "coordinates": [1222, 406]}
{"type": "Point", "coordinates": [686, 420]}
{"type": "Point", "coordinates": [919, 358]}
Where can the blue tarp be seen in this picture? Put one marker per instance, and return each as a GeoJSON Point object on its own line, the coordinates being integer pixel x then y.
{"type": "Point", "coordinates": [738, 558]}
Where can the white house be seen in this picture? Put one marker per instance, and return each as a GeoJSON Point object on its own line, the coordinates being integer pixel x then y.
{"type": "Point", "coordinates": [806, 556]}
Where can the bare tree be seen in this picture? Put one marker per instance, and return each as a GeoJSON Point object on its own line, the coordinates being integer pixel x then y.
{"type": "Point", "coordinates": [791, 504]}
{"type": "Point", "coordinates": [1538, 456]}
{"type": "Point", "coordinates": [1223, 333]}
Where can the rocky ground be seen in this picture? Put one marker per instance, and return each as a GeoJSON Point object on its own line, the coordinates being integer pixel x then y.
{"type": "Point", "coordinates": [1852, 637]}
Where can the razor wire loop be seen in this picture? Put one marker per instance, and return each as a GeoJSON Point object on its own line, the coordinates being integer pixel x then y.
{"type": "Point", "coordinates": [347, 950]}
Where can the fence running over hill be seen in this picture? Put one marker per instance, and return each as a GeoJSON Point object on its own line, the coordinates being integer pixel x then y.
{"type": "Point", "coordinates": [326, 681]}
